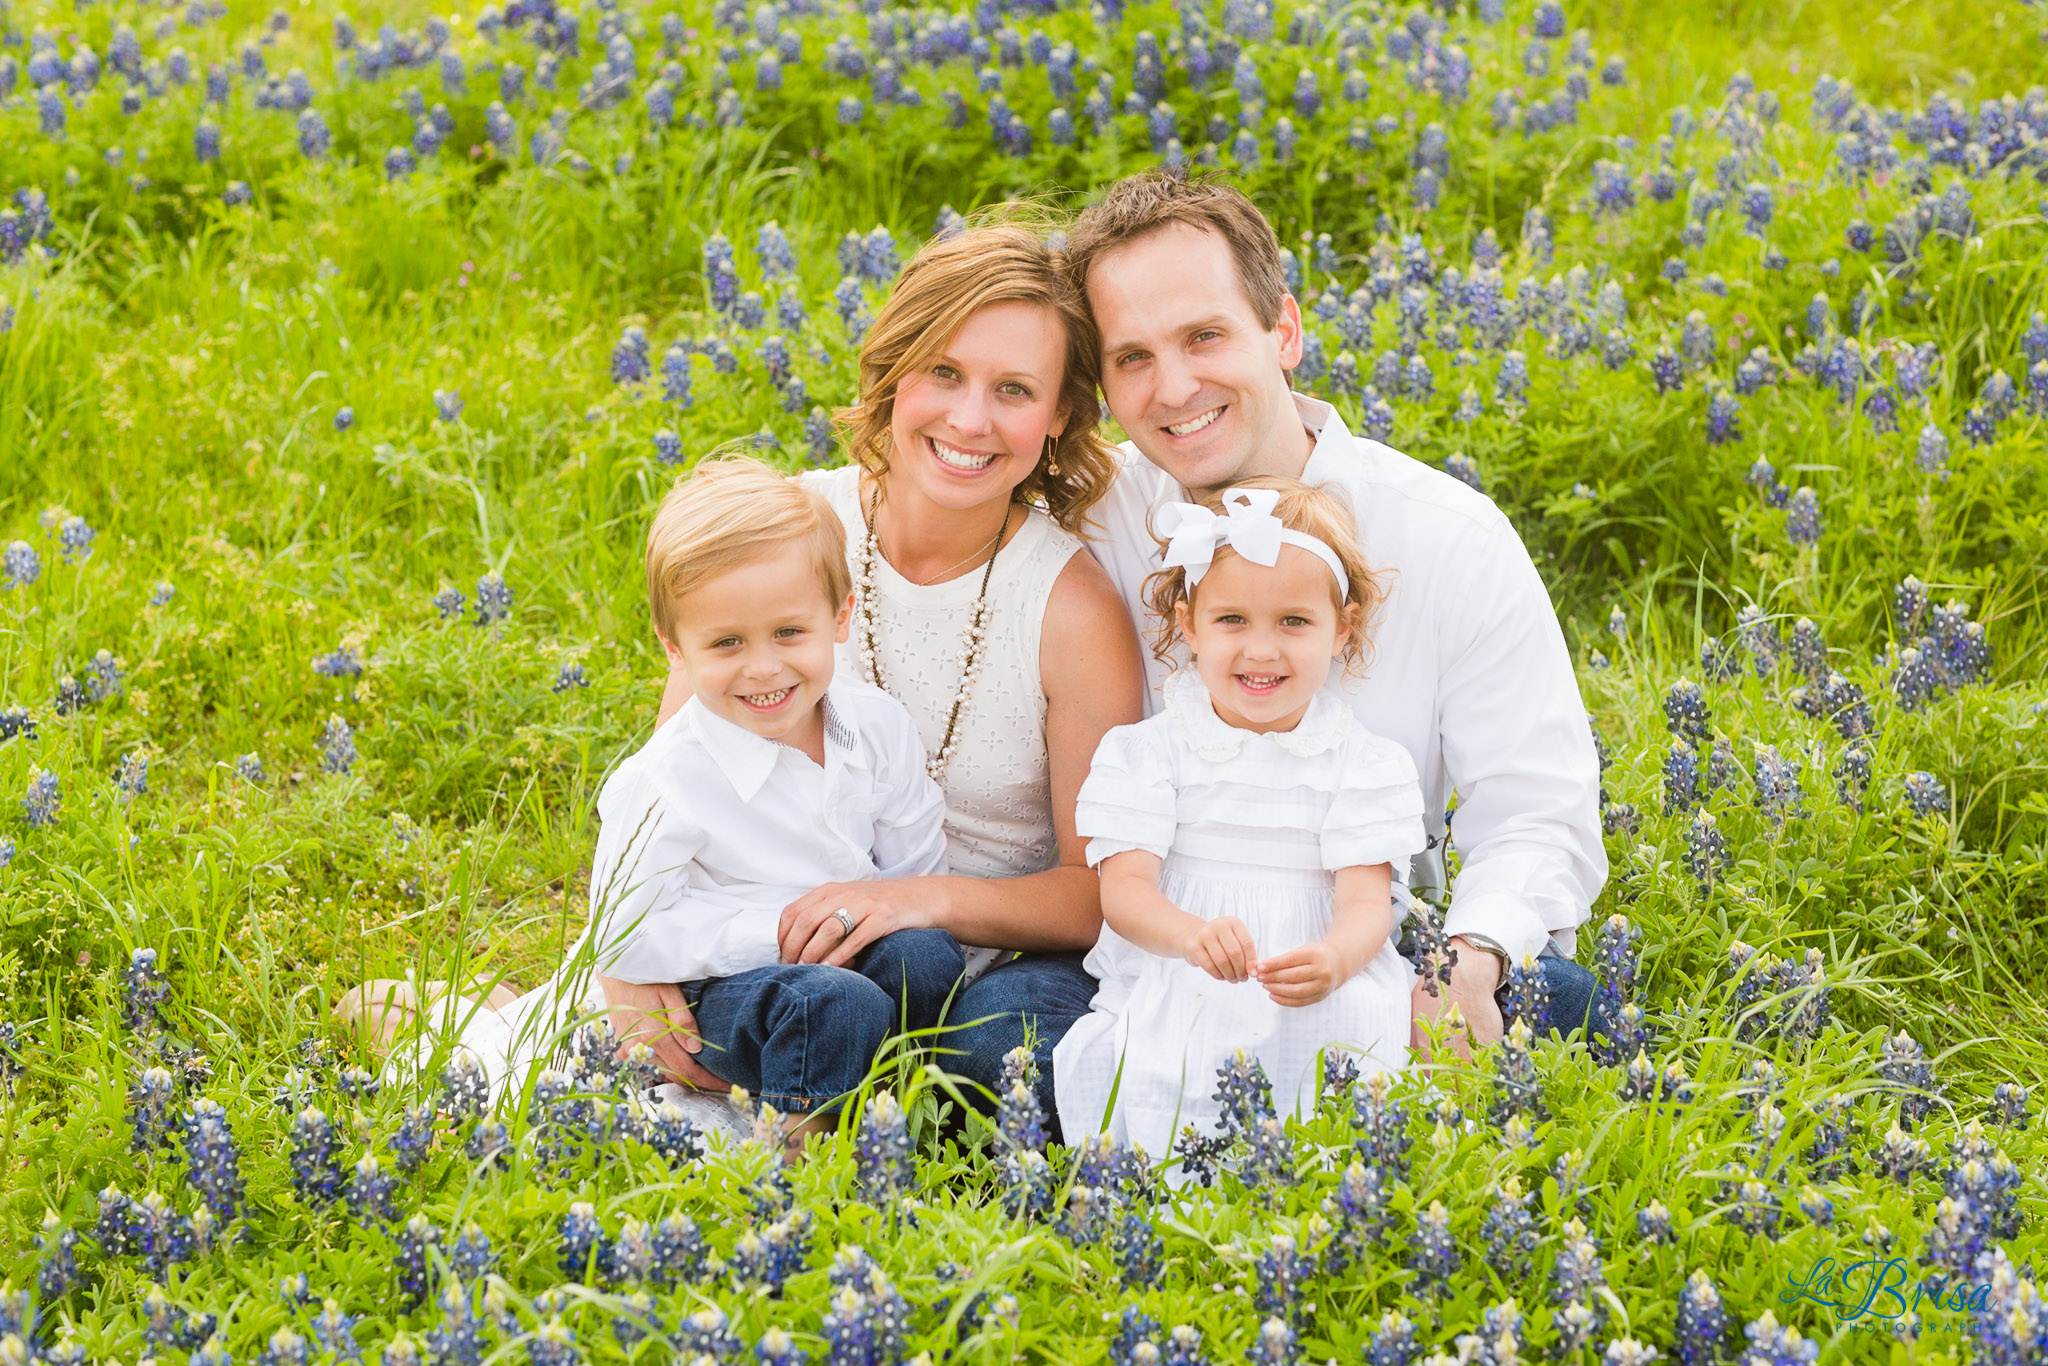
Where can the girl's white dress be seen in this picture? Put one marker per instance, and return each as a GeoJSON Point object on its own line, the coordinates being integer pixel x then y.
{"type": "Point", "coordinates": [1251, 825]}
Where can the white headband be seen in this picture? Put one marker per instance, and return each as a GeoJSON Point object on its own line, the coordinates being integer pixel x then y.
{"type": "Point", "coordinates": [1193, 533]}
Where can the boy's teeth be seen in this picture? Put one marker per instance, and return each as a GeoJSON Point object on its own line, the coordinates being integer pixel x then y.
{"type": "Point", "coordinates": [768, 699]}
{"type": "Point", "coordinates": [1195, 424]}
{"type": "Point", "coordinates": [961, 460]}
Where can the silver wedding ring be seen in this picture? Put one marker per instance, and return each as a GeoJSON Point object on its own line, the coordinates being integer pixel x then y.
{"type": "Point", "coordinates": [845, 922]}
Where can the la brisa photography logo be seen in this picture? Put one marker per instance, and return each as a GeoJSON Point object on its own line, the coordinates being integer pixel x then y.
{"type": "Point", "coordinates": [1878, 1293]}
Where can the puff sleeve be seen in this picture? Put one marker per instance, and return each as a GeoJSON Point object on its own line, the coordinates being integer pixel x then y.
{"type": "Point", "coordinates": [1127, 801]}
{"type": "Point", "coordinates": [1375, 814]}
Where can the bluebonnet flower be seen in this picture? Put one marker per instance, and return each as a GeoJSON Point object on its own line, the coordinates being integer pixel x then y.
{"type": "Point", "coordinates": [1777, 784]}
{"type": "Point", "coordinates": [74, 539]}
{"type": "Point", "coordinates": [493, 598]}
{"type": "Point", "coordinates": [553, 1344]}
{"type": "Point", "coordinates": [1900, 1156]}
{"type": "Point", "coordinates": [1774, 1344]}
{"type": "Point", "coordinates": [413, 1137]}
{"type": "Point", "coordinates": [1517, 1088]}
{"type": "Point", "coordinates": [1818, 1209]}
{"type": "Point", "coordinates": [629, 357]}
{"type": "Point", "coordinates": [1274, 1345]}
{"type": "Point", "coordinates": [21, 564]}
{"type": "Point", "coordinates": [1666, 371]}
{"type": "Point", "coordinates": [44, 797]}
{"type": "Point", "coordinates": [1802, 517]}
{"type": "Point", "coordinates": [342, 663]}
{"type": "Point", "coordinates": [370, 1190]}
{"type": "Point", "coordinates": [1904, 1066]}
{"type": "Point", "coordinates": [337, 746]}
{"type": "Point", "coordinates": [583, 1245]}
{"type": "Point", "coordinates": [2009, 1099]}
{"type": "Point", "coordinates": [212, 1162]}
{"type": "Point", "coordinates": [449, 601]}
{"type": "Point", "coordinates": [1653, 1223]}
{"type": "Point", "coordinates": [1706, 850]}
{"type": "Point", "coordinates": [149, 1109]}
{"type": "Point", "coordinates": [447, 404]}
{"type": "Point", "coordinates": [675, 376]}
{"type": "Point", "coordinates": [1465, 470]}
{"type": "Point", "coordinates": [399, 161]}
{"type": "Point", "coordinates": [1926, 794]}
{"type": "Point", "coordinates": [884, 1156]}
{"type": "Point", "coordinates": [1754, 1207]}
{"type": "Point", "coordinates": [315, 1158]}
{"type": "Point", "coordinates": [668, 447]}
{"type": "Point", "coordinates": [1433, 1255]}
{"type": "Point", "coordinates": [1510, 1230]}
{"type": "Point", "coordinates": [1724, 419]}
{"type": "Point", "coordinates": [1980, 428]}
{"type": "Point", "coordinates": [58, 1271]}
{"type": "Point", "coordinates": [1527, 996]}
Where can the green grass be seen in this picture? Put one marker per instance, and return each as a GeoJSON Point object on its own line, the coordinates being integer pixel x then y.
{"type": "Point", "coordinates": [172, 375]}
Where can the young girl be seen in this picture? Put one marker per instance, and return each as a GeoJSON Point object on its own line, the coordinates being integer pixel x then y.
{"type": "Point", "coordinates": [1247, 835]}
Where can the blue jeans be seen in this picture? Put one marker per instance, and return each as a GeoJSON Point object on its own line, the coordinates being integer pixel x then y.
{"type": "Point", "coordinates": [801, 1035]}
{"type": "Point", "coordinates": [1039, 993]}
{"type": "Point", "coordinates": [1574, 999]}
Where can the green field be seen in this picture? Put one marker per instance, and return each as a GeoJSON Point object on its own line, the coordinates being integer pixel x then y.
{"type": "Point", "coordinates": [237, 729]}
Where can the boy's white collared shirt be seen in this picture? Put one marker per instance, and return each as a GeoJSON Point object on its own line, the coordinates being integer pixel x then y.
{"type": "Point", "coordinates": [709, 830]}
{"type": "Point", "coordinates": [1469, 672]}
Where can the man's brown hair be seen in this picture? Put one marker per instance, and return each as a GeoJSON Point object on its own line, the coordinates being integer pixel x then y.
{"type": "Point", "coordinates": [1141, 204]}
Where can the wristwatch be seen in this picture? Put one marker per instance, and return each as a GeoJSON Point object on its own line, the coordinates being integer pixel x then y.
{"type": "Point", "coordinates": [1488, 944]}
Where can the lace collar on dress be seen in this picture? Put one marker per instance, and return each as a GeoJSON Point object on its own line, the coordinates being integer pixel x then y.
{"type": "Point", "coordinates": [1321, 728]}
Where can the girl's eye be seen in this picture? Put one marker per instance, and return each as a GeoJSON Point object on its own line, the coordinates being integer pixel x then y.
{"type": "Point", "coordinates": [1294, 621]}
{"type": "Point", "coordinates": [1229, 619]}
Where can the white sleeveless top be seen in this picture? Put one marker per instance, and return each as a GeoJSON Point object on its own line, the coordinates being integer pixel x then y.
{"type": "Point", "coordinates": [999, 820]}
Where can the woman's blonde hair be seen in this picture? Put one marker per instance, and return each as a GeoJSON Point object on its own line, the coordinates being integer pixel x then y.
{"type": "Point", "coordinates": [947, 282]}
{"type": "Point", "coordinates": [1312, 511]}
{"type": "Point", "coordinates": [726, 512]}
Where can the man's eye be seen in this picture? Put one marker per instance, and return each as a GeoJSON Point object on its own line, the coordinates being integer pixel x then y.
{"type": "Point", "coordinates": [1206, 334]}
{"type": "Point", "coordinates": [1130, 358]}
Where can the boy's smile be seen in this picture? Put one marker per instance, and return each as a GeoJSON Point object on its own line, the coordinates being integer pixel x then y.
{"type": "Point", "coordinates": [755, 643]}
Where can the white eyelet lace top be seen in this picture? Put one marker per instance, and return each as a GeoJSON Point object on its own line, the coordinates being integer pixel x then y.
{"type": "Point", "coordinates": [999, 820]}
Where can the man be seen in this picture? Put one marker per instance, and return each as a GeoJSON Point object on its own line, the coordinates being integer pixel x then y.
{"type": "Point", "coordinates": [1469, 670]}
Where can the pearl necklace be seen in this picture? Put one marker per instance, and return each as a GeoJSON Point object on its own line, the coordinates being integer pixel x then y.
{"type": "Point", "coordinates": [970, 665]}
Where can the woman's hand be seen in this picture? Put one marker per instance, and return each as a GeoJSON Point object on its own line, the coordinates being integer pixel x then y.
{"type": "Point", "coordinates": [1222, 948]}
{"type": "Point", "coordinates": [1303, 976]}
{"type": "Point", "coordinates": [655, 1014]}
{"type": "Point", "coordinates": [810, 933]}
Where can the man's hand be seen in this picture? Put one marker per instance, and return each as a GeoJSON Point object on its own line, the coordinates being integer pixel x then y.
{"type": "Point", "coordinates": [1474, 979]}
{"type": "Point", "coordinates": [1222, 948]}
{"type": "Point", "coordinates": [1303, 976]}
{"type": "Point", "coordinates": [655, 1014]}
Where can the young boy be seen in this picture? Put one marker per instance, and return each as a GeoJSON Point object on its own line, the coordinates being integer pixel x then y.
{"type": "Point", "coordinates": [774, 779]}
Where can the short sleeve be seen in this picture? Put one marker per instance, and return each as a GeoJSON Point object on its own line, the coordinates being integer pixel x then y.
{"type": "Point", "coordinates": [1127, 800]}
{"type": "Point", "coordinates": [1375, 814]}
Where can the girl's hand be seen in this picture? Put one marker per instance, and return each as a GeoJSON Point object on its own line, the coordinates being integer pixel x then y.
{"type": "Point", "coordinates": [1222, 948]}
{"type": "Point", "coordinates": [1303, 976]}
{"type": "Point", "coordinates": [809, 933]}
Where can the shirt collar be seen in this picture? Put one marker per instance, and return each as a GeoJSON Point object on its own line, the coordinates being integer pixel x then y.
{"type": "Point", "coordinates": [747, 759]}
{"type": "Point", "coordinates": [1333, 439]}
{"type": "Point", "coordinates": [1194, 716]}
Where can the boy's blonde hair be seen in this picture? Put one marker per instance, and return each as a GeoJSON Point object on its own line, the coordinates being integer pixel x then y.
{"type": "Point", "coordinates": [1005, 259]}
{"type": "Point", "coordinates": [728, 511]}
{"type": "Point", "coordinates": [1302, 508]}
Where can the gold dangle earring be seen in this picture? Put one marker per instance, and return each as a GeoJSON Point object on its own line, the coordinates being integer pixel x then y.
{"type": "Point", "coordinates": [1052, 461]}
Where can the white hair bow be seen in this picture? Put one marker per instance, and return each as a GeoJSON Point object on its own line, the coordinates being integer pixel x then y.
{"type": "Point", "coordinates": [1248, 526]}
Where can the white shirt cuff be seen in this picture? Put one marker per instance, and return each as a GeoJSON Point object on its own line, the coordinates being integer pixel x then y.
{"type": "Point", "coordinates": [1506, 919]}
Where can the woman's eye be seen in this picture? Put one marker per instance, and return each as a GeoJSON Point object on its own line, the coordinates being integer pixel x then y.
{"type": "Point", "coordinates": [945, 372]}
{"type": "Point", "coordinates": [1016, 391]}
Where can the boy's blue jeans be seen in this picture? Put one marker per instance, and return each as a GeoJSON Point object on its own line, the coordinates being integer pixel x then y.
{"type": "Point", "coordinates": [801, 1035]}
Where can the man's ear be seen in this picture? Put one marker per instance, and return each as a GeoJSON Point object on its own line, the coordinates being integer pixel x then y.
{"type": "Point", "coordinates": [842, 625]}
{"type": "Point", "coordinates": [1289, 328]}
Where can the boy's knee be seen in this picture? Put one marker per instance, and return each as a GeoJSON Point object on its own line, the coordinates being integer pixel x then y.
{"type": "Point", "coordinates": [845, 1002]}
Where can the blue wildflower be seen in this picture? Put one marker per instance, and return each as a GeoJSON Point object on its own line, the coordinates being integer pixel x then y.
{"type": "Point", "coordinates": [668, 447]}
{"type": "Point", "coordinates": [40, 806]}
{"type": "Point", "coordinates": [342, 663]}
{"type": "Point", "coordinates": [212, 1162]}
{"type": "Point", "coordinates": [1433, 1254]}
{"type": "Point", "coordinates": [337, 746]}
{"type": "Point", "coordinates": [21, 564]}
{"type": "Point", "coordinates": [493, 598]}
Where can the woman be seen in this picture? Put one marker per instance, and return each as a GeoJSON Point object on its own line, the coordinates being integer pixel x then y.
{"type": "Point", "coordinates": [975, 461]}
